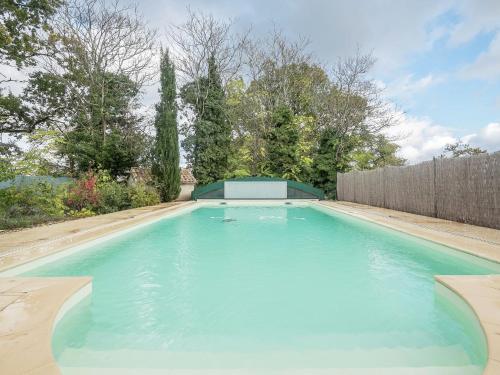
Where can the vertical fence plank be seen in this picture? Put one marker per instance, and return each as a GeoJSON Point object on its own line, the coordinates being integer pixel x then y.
{"type": "Point", "coordinates": [410, 188]}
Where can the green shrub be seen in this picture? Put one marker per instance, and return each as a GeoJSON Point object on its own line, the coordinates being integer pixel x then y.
{"type": "Point", "coordinates": [143, 195]}
{"type": "Point", "coordinates": [113, 197]}
{"type": "Point", "coordinates": [41, 197]}
{"type": "Point", "coordinates": [29, 205]}
{"type": "Point", "coordinates": [84, 212]}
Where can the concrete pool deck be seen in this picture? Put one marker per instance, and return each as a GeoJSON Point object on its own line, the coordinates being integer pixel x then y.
{"type": "Point", "coordinates": [29, 307]}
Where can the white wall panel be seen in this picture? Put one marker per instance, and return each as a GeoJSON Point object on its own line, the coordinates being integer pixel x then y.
{"type": "Point", "coordinates": [255, 190]}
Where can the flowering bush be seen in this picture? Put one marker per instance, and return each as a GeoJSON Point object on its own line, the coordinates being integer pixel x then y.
{"type": "Point", "coordinates": [83, 194]}
{"type": "Point", "coordinates": [92, 194]}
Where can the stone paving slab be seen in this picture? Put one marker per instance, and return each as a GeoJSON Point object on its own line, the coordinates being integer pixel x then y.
{"type": "Point", "coordinates": [28, 310]}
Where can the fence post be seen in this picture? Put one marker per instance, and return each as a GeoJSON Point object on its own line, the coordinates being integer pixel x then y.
{"type": "Point", "coordinates": [435, 185]}
{"type": "Point", "coordinates": [383, 185]}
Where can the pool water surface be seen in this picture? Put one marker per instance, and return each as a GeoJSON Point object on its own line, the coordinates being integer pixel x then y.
{"type": "Point", "coordinates": [277, 288]}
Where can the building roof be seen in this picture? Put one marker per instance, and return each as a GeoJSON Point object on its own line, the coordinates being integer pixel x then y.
{"type": "Point", "coordinates": [187, 177]}
{"type": "Point", "coordinates": [143, 175]}
{"type": "Point", "coordinates": [140, 175]}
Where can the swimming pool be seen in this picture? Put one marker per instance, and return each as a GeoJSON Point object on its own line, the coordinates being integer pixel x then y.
{"type": "Point", "coordinates": [266, 289]}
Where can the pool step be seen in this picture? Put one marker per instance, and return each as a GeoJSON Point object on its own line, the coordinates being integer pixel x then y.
{"type": "Point", "coordinates": [350, 341]}
{"type": "Point", "coordinates": [465, 370]}
{"type": "Point", "coordinates": [433, 356]}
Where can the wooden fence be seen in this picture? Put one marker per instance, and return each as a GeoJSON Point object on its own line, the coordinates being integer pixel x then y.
{"type": "Point", "coordinates": [460, 189]}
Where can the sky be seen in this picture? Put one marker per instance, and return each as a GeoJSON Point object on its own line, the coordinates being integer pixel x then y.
{"type": "Point", "coordinates": [437, 60]}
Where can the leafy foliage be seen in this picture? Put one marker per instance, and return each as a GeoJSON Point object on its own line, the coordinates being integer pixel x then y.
{"type": "Point", "coordinates": [282, 115]}
{"type": "Point", "coordinates": [30, 205]}
{"type": "Point", "coordinates": [328, 161]}
{"type": "Point", "coordinates": [106, 135]}
{"type": "Point", "coordinates": [84, 195]}
{"type": "Point", "coordinates": [459, 149]}
{"type": "Point", "coordinates": [212, 133]}
{"type": "Point", "coordinates": [282, 145]}
{"type": "Point", "coordinates": [165, 167]}
{"type": "Point", "coordinates": [99, 193]}
{"type": "Point", "coordinates": [90, 80]}
{"type": "Point", "coordinates": [25, 30]}
{"type": "Point", "coordinates": [93, 193]}
{"type": "Point", "coordinates": [8, 152]}
{"type": "Point", "coordinates": [113, 195]}
{"type": "Point", "coordinates": [336, 120]}
{"type": "Point", "coordinates": [143, 195]}
{"type": "Point", "coordinates": [22, 24]}
{"type": "Point", "coordinates": [37, 160]}
{"type": "Point", "coordinates": [378, 152]}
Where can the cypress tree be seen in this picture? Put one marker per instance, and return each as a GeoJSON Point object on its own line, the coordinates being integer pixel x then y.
{"type": "Point", "coordinates": [212, 130]}
{"type": "Point", "coordinates": [165, 168]}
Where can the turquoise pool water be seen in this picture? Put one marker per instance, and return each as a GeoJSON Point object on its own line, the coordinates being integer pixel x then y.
{"type": "Point", "coordinates": [266, 288]}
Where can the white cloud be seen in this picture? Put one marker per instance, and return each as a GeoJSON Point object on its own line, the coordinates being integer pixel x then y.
{"type": "Point", "coordinates": [405, 87]}
{"type": "Point", "coordinates": [487, 137]}
{"type": "Point", "coordinates": [394, 30]}
{"type": "Point", "coordinates": [419, 138]}
{"type": "Point", "coordinates": [487, 64]}
{"type": "Point", "coordinates": [476, 17]}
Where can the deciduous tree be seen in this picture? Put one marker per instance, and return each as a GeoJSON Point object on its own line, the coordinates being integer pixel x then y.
{"type": "Point", "coordinates": [100, 56]}
{"type": "Point", "coordinates": [25, 32]}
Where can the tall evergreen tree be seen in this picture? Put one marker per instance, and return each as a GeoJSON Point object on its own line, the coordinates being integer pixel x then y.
{"type": "Point", "coordinates": [283, 145]}
{"type": "Point", "coordinates": [165, 166]}
{"type": "Point", "coordinates": [329, 160]}
{"type": "Point", "coordinates": [212, 136]}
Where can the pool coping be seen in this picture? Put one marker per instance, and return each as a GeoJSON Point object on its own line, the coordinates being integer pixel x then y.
{"type": "Point", "coordinates": [29, 311]}
{"type": "Point", "coordinates": [482, 293]}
